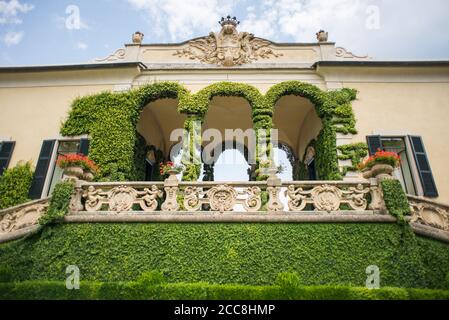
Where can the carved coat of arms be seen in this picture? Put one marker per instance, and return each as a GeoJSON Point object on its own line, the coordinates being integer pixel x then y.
{"type": "Point", "coordinates": [228, 47]}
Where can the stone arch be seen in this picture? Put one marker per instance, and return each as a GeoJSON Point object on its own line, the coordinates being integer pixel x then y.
{"type": "Point", "coordinates": [199, 102]}
{"type": "Point", "coordinates": [325, 108]}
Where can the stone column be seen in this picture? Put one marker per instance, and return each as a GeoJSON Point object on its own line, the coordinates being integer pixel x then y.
{"type": "Point", "coordinates": [191, 160]}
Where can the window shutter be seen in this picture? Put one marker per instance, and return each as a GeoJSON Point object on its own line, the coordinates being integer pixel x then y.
{"type": "Point", "coordinates": [6, 149]}
{"type": "Point", "coordinates": [41, 169]}
{"type": "Point", "coordinates": [374, 143]}
{"type": "Point", "coordinates": [422, 163]}
{"type": "Point", "coordinates": [84, 147]}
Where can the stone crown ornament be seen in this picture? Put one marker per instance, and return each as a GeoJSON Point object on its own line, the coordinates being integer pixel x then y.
{"type": "Point", "coordinates": [228, 47]}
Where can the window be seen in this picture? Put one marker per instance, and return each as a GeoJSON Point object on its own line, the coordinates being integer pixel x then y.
{"type": "Point", "coordinates": [403, 173]}
{"type": "Point", "coordinates": [6, 149]}
{"type": "Point", "coordinates": [47, 174]}
{"type": "Point", "coordinates": [64, 147]}
{"type": "Point", "coordinates": [414, 173]}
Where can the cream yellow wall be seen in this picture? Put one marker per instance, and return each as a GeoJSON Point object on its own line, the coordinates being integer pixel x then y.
{"type": "Point", "coordinates": [410, 108]}
{"type": "Point", "coordinates": [31, 115]}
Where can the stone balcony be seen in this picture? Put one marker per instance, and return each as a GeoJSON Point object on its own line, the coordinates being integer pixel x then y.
{"type": "Point", "coordinates": [271, 201]}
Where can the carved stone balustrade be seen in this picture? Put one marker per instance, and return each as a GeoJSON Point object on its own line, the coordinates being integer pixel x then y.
{"type": "Point", "coordinates": [117, 197]}
{"type": "Point", "coordinates": [429, 213]}
{"type": "Point", "coordinates": [271, 196]}
{"type": "Point", "coordinates": [331, 196]}
{"type": "Point", "coordinates": [20, 220]}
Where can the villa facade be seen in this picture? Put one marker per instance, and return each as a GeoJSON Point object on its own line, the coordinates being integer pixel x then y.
{"type": "Point", "coordinates": [331, 108]}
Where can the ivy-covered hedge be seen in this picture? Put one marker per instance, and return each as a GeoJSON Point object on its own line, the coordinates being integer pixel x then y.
{"type": "Point", "coordinates": [250, 254]}
{"type": "Point", "coordinates": [111, 120]}
{"type": "Point", "coordinates": [15, 184]}
{"type": "Point", "coordinates": [137, 290]}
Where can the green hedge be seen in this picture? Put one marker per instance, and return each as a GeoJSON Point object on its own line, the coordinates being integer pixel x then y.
{"type": "Point", "coordinates": [51, 290]}
{"type": "Point", "coordinates": [250, 254]}
{"type": "Point", "coordinates": [14, 185]}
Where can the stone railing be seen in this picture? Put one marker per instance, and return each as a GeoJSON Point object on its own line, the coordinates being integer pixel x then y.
{"type": "Point", "coordinates": [272, 196]}
{"type": "Point", "coordinates": [20, 220]}
{"type": "Point", "coordinates": [428, 215]}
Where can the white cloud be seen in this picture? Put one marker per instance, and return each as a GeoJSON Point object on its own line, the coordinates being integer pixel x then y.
{"type": "Point", "coordinates": [299, 20]}
{"type": "Point", "coordinates": [181, 19]}
{"type": "Point", "coordinates": [82, 45]}
{"type": "Point", "coordinates": [13, 38]}
{"type": "Point", "coordinates": [407, 29]}
{"type": "Point", "coordinates": [10, 11]}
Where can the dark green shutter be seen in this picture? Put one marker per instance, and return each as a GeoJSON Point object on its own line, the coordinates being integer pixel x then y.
{"type": "Point", "coordinates": [422, 163]}
{"type": "Point", "coordinates": [84, 147]}
{"type": "Point", "coordinates": [41, 169]}
{"type": "Point", "coordinates": [6, 149]}
{"type": "Point", "coordinates": [374, 143]}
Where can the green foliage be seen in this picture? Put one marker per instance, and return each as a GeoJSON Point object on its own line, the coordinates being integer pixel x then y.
{"type": "Point", "coordinates": [289, 283]}
{"type": "Point", "coordinates": [59, 203]}
{"type": "Point", "coordinates": [6, 274]}
{"type": "Point", "coordinates": [53, 290]}
{"type": "Point", "coordinates": [395, 199]}
{"type": "Point", "coordinates": [354, 152]}
{"type": "Point", "coordinates": [151, 278]}
{"type": "Point", "coordinates": [111, 119]}
{"type": "Point", "coordinates": [15, 184]}
{"type": "Point", "coordinates": [326, 153]}
{"type": "Point", "coordinates": [252, 254]}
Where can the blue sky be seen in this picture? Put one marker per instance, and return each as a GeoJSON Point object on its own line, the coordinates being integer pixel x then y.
{"type": "Point", "coordinates": [34, 32]}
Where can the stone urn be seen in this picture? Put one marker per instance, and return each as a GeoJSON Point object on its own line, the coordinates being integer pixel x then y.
{"type": "Point", "coordinates": [382, 171]}
{"type": "Point", "coordinates": [367, 173]}
{"type": "Point", "coordinates": [137, 37]}
{"type": "Point", "coordinates": [88, 175]}
{"type": "Point", "coordinates": [322, 36]}
{"type": "Point", "coordinates": [73, 172]}
{"type": "Point", "coordinates": [172, 175]}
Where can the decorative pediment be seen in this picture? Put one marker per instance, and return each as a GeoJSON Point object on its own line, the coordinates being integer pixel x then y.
{"type": "Point", "coordinates": [228, 47]}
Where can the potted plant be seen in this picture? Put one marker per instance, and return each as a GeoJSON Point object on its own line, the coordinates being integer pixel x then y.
{"type": "Point", "coordinates": [380, 165]}
{"type": "Point", "coordinates": [169, 169]}
{"type": "Point", "coordinates": [77, 166]}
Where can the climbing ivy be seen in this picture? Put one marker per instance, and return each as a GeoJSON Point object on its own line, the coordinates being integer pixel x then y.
{"type": "Point", "coordinates": [395, 199]}
{"type": "Point", "coordinates": [354, 152]}
{"type": "Point", "coordinates": [111, 119]}
{"type": "Point", "coordinates": [59, 203]}
{"type": "Point", "coordinates": [235, 253]}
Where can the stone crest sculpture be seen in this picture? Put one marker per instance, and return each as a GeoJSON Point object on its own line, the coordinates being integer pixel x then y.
{"type": "Point", "coordinates": [228, 47]}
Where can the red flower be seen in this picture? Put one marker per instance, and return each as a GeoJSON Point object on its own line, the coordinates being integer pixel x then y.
{"type": "Point", "coordinates": [73, 159]}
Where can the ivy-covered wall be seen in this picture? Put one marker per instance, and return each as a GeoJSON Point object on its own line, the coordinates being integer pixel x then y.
{"type": "Point", "coordinates": [111, 120]}
{"type": "Point", "coordinates": [231, 253]}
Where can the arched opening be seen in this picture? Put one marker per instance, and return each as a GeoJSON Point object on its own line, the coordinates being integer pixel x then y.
{"type": "Point", "coordinates": [225, 129]}
{"type": "Point", "coordinates": [157, 121]}
{"type": "Point", "coordinates": [285, 158]}
{"type": "Point", "coordinates": [298, 125]}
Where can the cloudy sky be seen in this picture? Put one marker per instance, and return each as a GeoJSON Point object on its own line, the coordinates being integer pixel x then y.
{"type": "Point", "coordinates": [36, 32]}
